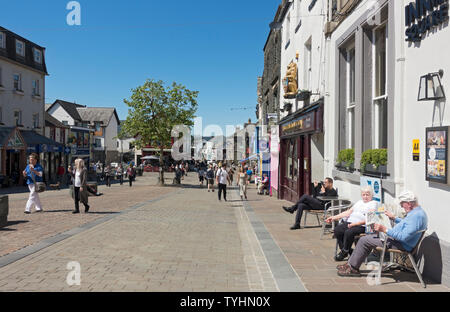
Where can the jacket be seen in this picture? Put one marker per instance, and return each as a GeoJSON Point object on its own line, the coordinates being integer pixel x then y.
{"type": "Point", "coordinates": [84, 193]}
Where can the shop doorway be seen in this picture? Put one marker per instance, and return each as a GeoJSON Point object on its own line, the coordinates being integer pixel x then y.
{"type": "Point", "coordinates": [13, 166]}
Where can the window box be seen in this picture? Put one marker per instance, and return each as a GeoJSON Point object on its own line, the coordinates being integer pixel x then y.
{"type": "Point", "coordinates": [374, 163]}
{"type": "Point", "coordinates": [303, 95]}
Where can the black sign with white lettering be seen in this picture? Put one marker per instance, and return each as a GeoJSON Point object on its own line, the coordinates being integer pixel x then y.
{"type": "Point", "coordinates": [422, 16]}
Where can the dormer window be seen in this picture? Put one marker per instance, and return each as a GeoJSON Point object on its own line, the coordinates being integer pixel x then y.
{"type": "Point", "coordinates": [20, 48]}
{"type": "Point", "coordinates": [37, 56]}
{"type": "Point", "coordinates": [2, 40]}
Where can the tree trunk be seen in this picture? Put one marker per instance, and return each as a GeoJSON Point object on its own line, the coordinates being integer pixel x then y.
{"type": "Point", "coordinates": [161, 167]}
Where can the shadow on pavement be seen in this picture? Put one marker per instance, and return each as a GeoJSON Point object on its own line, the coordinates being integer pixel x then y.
{"type": "Point", "coordinates": [104, 212]}
{"type": "Point", "coordinates": [10, 223]}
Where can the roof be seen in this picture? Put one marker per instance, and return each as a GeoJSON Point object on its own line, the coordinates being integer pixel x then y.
{"type": "Point", "coordinates": [70, 108]}
{"type": "Point", "coordinates": [32, 138]}
{"type": "Point", "coordinates": [52, 121]}
{"type": "Point", "coordinates": [28, 60]}
{"type": "Point", "coordinates": [98, 114]}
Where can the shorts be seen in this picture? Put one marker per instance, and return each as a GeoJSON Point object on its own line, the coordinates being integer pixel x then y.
{"type": "Point", "coordinates": [211, 181]}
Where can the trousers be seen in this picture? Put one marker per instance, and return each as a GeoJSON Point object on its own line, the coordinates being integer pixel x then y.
{"type": "Point", "coordinates": [365, 246]}
{"type": "Point", "coordinates": [77, 198]}
{"type": "Point", "coordinates": [33, 199]}
{"type": "Point", "coordinates": [346, 236]}
{"type": "Point", "coordinates": [222, 187]}
{"type": "Point", "coordinates": [306, 202]}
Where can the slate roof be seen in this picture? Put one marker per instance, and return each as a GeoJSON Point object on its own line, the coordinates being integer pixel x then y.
{"type": "Point", "coordinates": [5, 132]}
{"type": "Point", "coordinates": [10, 51]}
{"type": "Point", "coordinates": [70, 108]}
{"type": "Point", "coordinates": [32, 138]}
{"type": "Point", "coordinates": [52, 121]}
{"type": "Point", "coordinates": [98, 114]}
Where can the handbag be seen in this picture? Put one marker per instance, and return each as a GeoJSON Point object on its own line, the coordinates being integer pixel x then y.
{"type": "Point", "coordinates": [39, 187]}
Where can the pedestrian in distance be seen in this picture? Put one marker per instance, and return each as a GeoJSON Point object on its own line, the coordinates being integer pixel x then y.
{"type": "Point", "coordinates": [222, 179]}
{"type": "Point", "coordinates": [33, 173]}
{"type": "Point", "coordinates": [242, 182]}
{"type": "Point", "coordinates": [130, 173]}
{"type": "Point", "coordinates": [119, 173]}
{"type": "Point", "coordinates": [107, 174]}
{"type": "Point", "coordinates": [80, 191]}
{"type": "Point", "coordinates": [210, 178]}
{"type": "Point", "coordinates": [60, 174]}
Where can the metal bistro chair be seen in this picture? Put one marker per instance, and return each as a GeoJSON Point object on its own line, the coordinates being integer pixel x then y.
{"type": "Point", "coordinates": [403, 255]}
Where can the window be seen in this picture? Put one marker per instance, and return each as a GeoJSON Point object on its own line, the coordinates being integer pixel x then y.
{"type": "Point", "coordinates": [53, 133]}
{"type": "Point", "coordinates": [307, 65]}
{"type": "Point", "coordinates": [1, 74]}
{"type": "Point", "coordinates": [97, 127]}
{"type": "Point", "coordinates": [18, 118]}
{"type": "Point", "coordinates": [62, 135]}
{"type": "Point", "coordinates": [98, 143]}
{"type": "Point", "coordinates": [20, 48]}
{"type": "Point", "coordinates": [37, 56]}
{"type": "Point", "coordinates": [17, 82]}
{"type": "Point", "coordinates": [298, 13]}
{"type": "Point", "coordinates": [36, 122]}
{"type": "Point", "coordinates": [36, 87]}
{"type": "Point", "coordinates": [351, 97]}
{"type": "Point", "coordinates": [379, 94]}
{"type": "Point", "coordinates": [2, 40]}
{"type": "Point", "coordinates": [288, 28]}
{"type": "Point", "coordinates": [65, 122]}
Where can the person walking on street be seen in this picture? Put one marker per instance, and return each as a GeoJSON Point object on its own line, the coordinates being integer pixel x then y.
{"type": "Point", "coordinates": [242, 182]}
{"type": "Point", "coordinates": [99, 172]}
{"type": "Point", "coordinates": [60, 174]}
{"type": "Point", "coordinates": [80, 191]}
{"type": "Point", "coordinates": [130, 173]}
{"type": "Point", "coordinates": [210, 178]}
{"type": "Point", "coordinates": [33, 173]}
{"type": "Point", "coordinates": [108, 175]}
{"type": "Point", "coordinates": [222, 179]}
{"type": "Point", "coordinates": [119, 173]}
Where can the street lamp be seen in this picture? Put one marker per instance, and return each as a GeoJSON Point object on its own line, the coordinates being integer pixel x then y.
{"type": "Point", "coordinates": [430, 87]}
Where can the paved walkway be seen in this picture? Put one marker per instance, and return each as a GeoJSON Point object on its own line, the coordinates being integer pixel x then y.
{"type": "Point", "coordinates": [170, 239]}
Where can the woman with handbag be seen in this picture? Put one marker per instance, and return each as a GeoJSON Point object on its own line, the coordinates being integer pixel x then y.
{"type": "Point", "coordinates": [80, 192]}
{"type": "Point", "coordinates": [33, 174]}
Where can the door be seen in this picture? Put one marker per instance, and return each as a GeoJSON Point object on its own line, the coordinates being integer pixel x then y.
{"type": "Point", "coordinates": [304, 185]}
{"type": "Point", "coordinates": [289, 171]}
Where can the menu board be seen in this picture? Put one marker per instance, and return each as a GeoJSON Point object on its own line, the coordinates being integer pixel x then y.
{"type": "Point", "coordinates": [436, 157]}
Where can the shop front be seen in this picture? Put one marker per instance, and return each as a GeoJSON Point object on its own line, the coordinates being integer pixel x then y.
{"type": "Point", "coordinates": [296, 132]}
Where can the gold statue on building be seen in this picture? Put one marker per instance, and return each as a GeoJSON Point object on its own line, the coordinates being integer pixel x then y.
{"type": "Point", "coordinates": [290, 81]}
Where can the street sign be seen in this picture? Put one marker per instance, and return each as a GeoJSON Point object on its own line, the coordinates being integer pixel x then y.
{"type": "Point", "coordinates": [416, 150]}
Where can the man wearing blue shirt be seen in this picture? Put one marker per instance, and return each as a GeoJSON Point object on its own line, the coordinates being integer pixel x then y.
{"type": "Point", "coordinates": [403, 236]}
{"type": "Point", "coordinates": [33, 173]}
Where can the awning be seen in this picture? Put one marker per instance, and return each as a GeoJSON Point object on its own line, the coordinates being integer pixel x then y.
{"type": "Point", "coordinates": [37, 143]}
{"type": "Point", "coordinates": [251, 157]}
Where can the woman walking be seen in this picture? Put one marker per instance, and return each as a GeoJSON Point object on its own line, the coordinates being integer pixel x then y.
{"type": "Point", "coordinates": [130, 173]}
{"type": "Point", "coordinates": [80, 192]}
{"type": "Point", "coordinates": [108, 175]}
{"type": "Point", "coordinates": [33, 173]}
{"type": "Point", "coordinates": [242, 182]}
{"type": "Point", "coordinates": [119, 173]}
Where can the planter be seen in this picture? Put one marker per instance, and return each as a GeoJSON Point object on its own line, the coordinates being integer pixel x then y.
{"type": "Point", "coordinates": [303, 95]}
{"type": "Point", "coordinates": [4, 210]}
{"type": "Point", "coordinates": [380, 171]}
{"type": "Point", "coordinates": [345, 167]}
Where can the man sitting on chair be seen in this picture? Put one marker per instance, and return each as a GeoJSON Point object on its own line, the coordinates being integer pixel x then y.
{"type": "Point", "coordinates": [263, 184]}
{"type": "Point", "coordinates": [403, 236]}
{"type": "Point", "coordinates": [309, 202]}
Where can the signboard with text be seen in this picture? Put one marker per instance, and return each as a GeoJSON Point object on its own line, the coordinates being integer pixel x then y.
{"type": "Point", "coordinates": [436, 154]}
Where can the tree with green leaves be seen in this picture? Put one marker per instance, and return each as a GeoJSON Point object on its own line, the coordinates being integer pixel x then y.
{"type": "Point", "coordinates": [154, 109]}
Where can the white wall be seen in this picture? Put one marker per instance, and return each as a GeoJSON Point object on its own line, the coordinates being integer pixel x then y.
{"type": "Point", "coordinates": [60, 114]}
{"type": "Point", "coordinates": [10, 101]}
{"type": "Point", "coordinates": [430, 56]}
{"type": "Point", "coordinates": [311, 28]}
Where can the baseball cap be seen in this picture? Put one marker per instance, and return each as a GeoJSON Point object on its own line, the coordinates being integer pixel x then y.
{"type": "Point", "coordinates": [407, 196]}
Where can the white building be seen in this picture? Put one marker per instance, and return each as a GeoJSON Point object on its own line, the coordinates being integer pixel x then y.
{"type": "Point", "coordinates": [303, 53]}
{"type": "Point", "coordinates": [372, 103]}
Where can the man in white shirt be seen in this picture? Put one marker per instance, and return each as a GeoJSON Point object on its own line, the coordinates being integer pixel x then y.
{"type": "Point", "coordinates": [222, 179]}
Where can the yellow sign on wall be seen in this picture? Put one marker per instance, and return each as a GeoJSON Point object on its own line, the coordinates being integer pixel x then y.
{"type": "Point", "coordinates": [416, 150]}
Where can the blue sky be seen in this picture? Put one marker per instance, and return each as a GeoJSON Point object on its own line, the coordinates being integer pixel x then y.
{"type": "Point", "coordinates": [214, 47]}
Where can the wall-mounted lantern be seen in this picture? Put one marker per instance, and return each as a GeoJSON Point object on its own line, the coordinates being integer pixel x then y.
{"type": "Point", "coordinates": [430, 87]}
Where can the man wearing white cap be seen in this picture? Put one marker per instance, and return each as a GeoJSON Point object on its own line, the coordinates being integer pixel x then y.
{"type": "Point", "coordinates": [403, 236]}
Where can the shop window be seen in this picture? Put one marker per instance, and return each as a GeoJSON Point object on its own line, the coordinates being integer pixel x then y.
{"type": "Point", "coordinates": [380, 97]}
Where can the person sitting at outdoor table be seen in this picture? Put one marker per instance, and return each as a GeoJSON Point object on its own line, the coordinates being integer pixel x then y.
{"type": "Point", "coordinates": [346, 231]}
{"type": "Point", "coordinates": [403, 236]}
{"type": "Point", "coordinates": [263, 184]}
{"type": "Point", "coordinates": [309, 202]}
